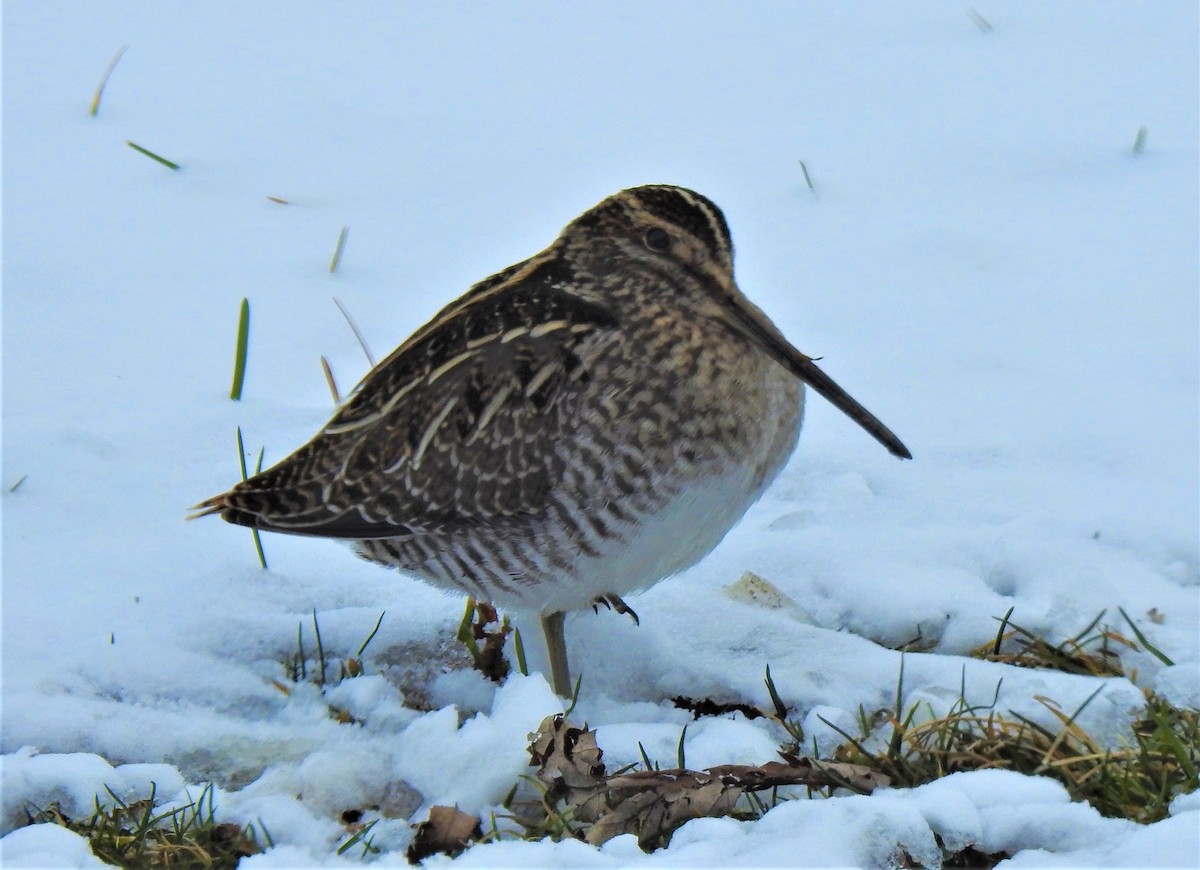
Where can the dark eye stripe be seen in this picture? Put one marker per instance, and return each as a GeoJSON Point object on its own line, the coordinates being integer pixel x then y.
{"type": "Point", "coordinates": [691, 212]}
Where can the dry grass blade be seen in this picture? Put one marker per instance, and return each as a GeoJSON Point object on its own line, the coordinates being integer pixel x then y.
{"type": "Point", "coordinates": [333, 390]}
{"type": "Point", "coordinates": [362, 342]}
{"type": "Point", "coordinates": [112, 64]}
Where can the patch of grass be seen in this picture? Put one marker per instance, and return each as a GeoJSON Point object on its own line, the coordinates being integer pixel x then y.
{"type": "Point", "coordinates": [1136, 781]}
{"type": "Point", "coordinates": [1094, 651]}
{"type": "Point", "coordinates": [141, 835]}
{"type": "Point", "coordinates": [164, 161]}
{"type": "Point", "coordinates": [297, 666]}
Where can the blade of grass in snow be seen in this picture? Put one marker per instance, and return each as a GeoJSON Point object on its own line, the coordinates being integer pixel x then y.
{"type": "Point", "coordinates": [367, 845]}
{"type": "Point", "coordinates": [337, 399]}
{"type": "Point", "coordinates": [362, 342]}
{"type": "Point", "coordinates": [262, 558]}
{"type": "Point", "coordinates": [337, 251]}
{"type": "Point", "coordinates": [164, 161]}
{"type": "Point", "coordinates": [807, 178]}
{"type": "Point", "coordinates": [278, 201]}
{"type": "Point", "coordinates": [1139, 142]}
{"type": "Point", "coordinates": [1137, 632]}
{"type": "Point", "coordinates": [112, 64]}
{"type": "Point", "coordinates": [20, 480]}
{"type": "Point", "coordinates": [645, 758]}
{"type": "Point", "coordinates": [519, 646]}
{"type": "Point", "coordinates": [320, 648]}
{"type": "Point", "coordinates": [574, 696]}
{"type": "Point", "coordinates": [371, 636]}
{"type": "Point", "coordinates": [980, 22]}
{"type": "Point", "coordinates": [239, 356]}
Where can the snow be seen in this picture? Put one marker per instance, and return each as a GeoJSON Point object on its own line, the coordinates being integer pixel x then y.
{"type": "Point", "coordinates": [984, 263]}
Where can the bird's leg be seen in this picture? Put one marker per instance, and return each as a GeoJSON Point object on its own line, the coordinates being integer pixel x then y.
{"type": "Point", "coordinates": [556, 647]}
{"type": "Point", "coordinates": [614, 602]}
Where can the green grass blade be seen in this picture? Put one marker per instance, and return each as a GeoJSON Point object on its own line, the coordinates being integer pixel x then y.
{"type": "Point", "coordinates": [574, 696]}
{"type": "Point", "coordinates": [781, 709]}
{"type": "Point", "coordinates": [680, 757]}
{"type": "Point", "coordinates": [371, 636]}
{"type": "Point", "coordinates": [164, 161]}
{"type": "Point", "coordinates": [1000, 633]}
{"type": "Point", "coordinates": [1150, 648]}
{"type": "Point", "coordinates": [337, 251]}
{"type": "Point", "coordinates": [320, 648]}
{"type": "Point", "coordinates": [519, 647]}
{"type": "Point", "coordinates": [241, 452]}
{"type": "Point", "coordinates": [239, 357]}
{"type": "Point", "coordinates": [241, 445]}
{"type": "Point", "coordinates": [645, 757]}
{"type": "Point", "coordinates": [357, 837]}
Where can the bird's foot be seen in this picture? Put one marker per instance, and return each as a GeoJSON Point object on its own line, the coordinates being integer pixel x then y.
{"type": "Point", "coordinates": [614, 602]}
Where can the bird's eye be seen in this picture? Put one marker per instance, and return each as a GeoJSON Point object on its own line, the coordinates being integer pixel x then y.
{"type": "Point", "coordinates": [657, 239]}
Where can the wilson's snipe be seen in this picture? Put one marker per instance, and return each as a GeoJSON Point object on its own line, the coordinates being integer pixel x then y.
{"type": "Point", "coordinates": [577, 426]}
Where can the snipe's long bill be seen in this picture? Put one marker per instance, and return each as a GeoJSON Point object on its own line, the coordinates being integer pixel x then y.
{"type": "Point", "coordinates": [576, 427]}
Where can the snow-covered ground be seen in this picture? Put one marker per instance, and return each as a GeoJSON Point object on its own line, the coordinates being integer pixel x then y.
{"type": "Point", "coordinates": [984, 262]}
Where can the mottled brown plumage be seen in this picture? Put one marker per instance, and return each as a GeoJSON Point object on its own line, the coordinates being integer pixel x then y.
{"type": "Point", "coordinates": [579, 425]}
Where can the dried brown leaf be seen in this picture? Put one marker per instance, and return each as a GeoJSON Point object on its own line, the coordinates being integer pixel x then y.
{"type": "Point", "coordinates": [653, 803]}
{"type": "Point", "coordinates": [447, 831]}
